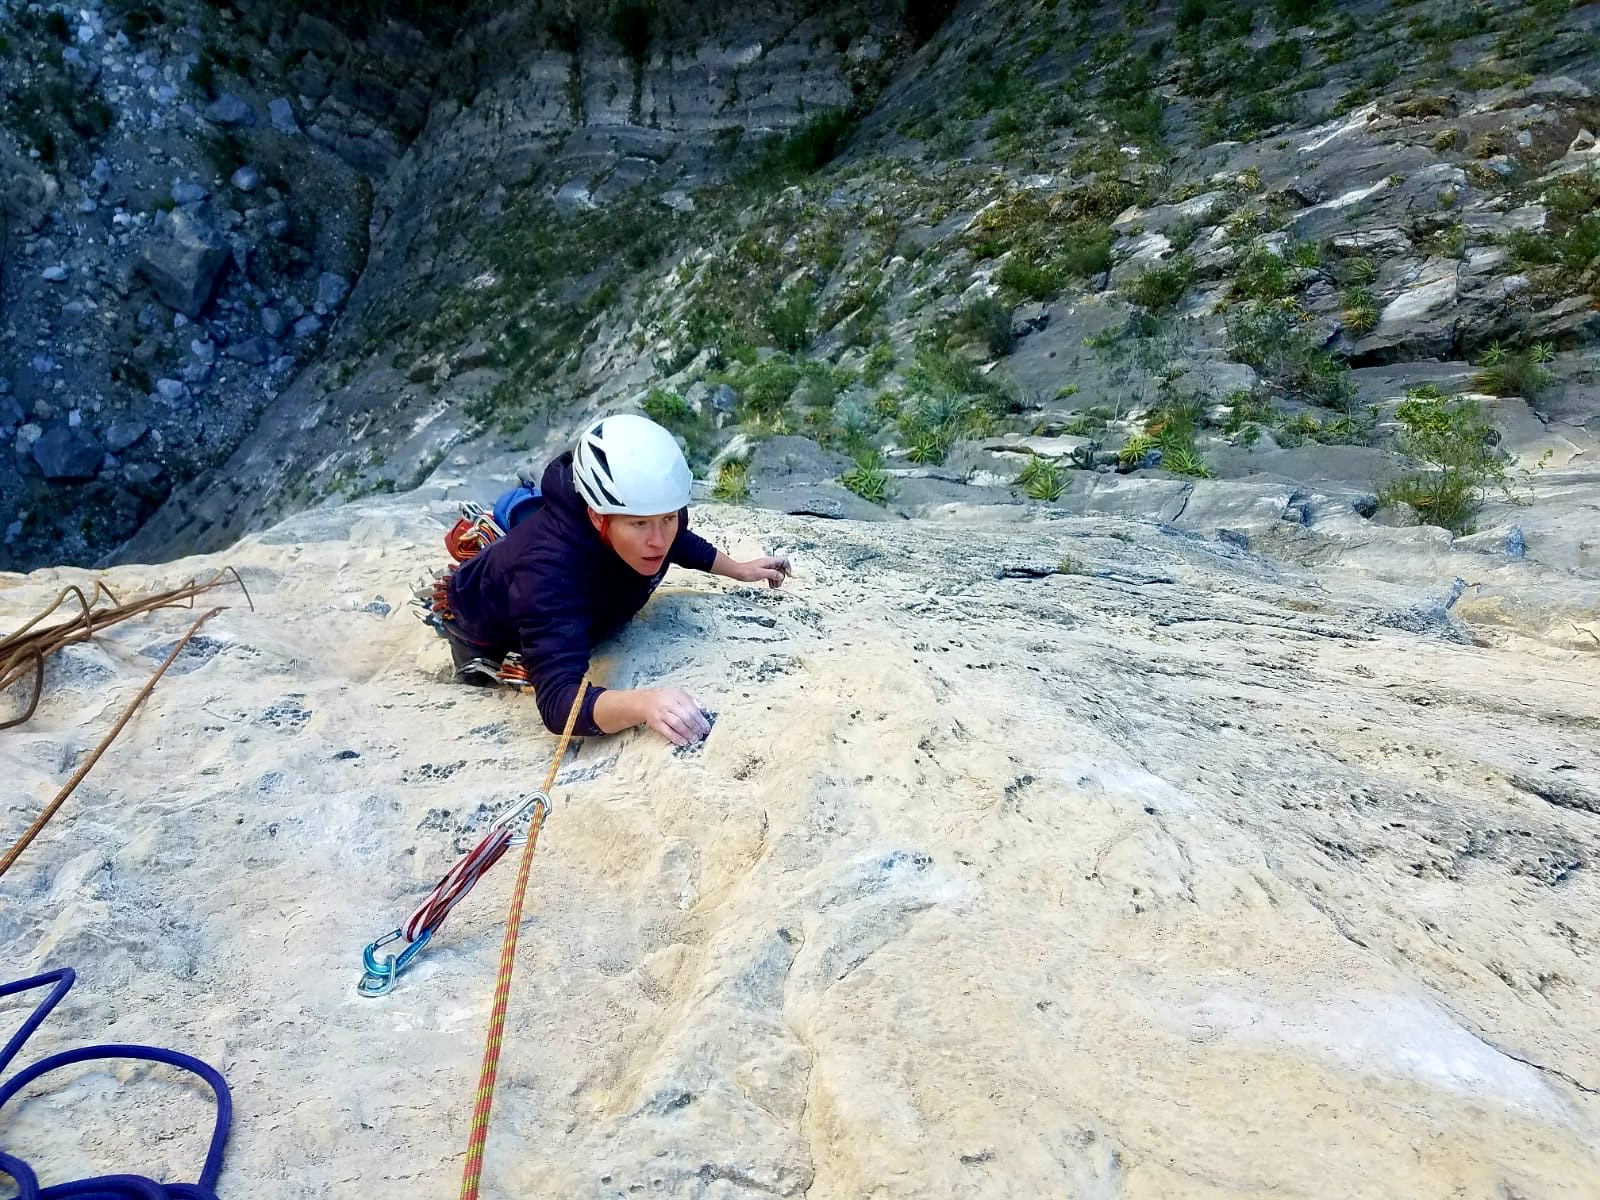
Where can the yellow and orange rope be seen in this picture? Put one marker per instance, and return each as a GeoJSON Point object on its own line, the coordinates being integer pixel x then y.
{"type": "Point", "coordinates": [479, 1133]}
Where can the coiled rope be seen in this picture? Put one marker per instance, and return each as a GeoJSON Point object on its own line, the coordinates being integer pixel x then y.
{"type": "Point", "coordinates": [105, 1187]}
{"type": "Point", "coordinates": [23, 652]}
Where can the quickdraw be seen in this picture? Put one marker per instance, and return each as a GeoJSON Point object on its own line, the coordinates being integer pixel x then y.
{"type": "Point", "coordinates": [380, 973]}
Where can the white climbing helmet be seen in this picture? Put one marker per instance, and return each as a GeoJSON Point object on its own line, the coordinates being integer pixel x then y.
{"type": "Point", "coordinates": [626, 463]}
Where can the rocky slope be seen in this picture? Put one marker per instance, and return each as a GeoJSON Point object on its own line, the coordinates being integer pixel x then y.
{"type": "Point", "coordinates": [1072, 856]}
{"type": "Point", "coordinates": [189, 192]}
{"type": "Point", "coordinates": [1040, 240]}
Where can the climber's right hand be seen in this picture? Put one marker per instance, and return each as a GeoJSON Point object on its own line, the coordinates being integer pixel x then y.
{"type": "Point", "coordinates": [675, 715]}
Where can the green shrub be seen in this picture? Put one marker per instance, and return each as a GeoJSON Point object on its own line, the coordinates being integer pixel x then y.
{"type": "Point", "coordinates": [1360, 271]}
{"type": "Point", "coordinates": [867, 478]}
{"type": "Point", "coordinates": [952, 400]}
{"type": "Point", "coordinates": [1454, 445]}
{"type": "Point", "coordinates": [1185, 460]}
{"type": "Point", "coordinates": [1574, 197]}
{"type": "Point", "coordinates": [1248, 410]}
{"type": "Point", "coordinates": [1041, 479]}
{"type": "Point", "coordinates": [666, 407]}
{"type": "Point", "coordinates": [1533, 248]}
{"type": "Point", "coordinates": [733, 482]}
{"type": "Point", "coordinates": [1360, 312]}
{"type": "Point", "coordinates": [988, 321]}
{"type": "Point", "coordinates": [1026, 278]}
{"type": "Point", "coordinates": [817, 388]}
{"type": "Point", "coordinates": [1182, 233]}
{"type": "Point", "coordinates": [807, 149]}
{"type": "Point", "coordinates": [1504, 372]}
{"type": "Point", "coordinates": [1089, 423]}
{"type": "Point", "coordinates": [1136, 448]}
{"type": "Point", "coordinates": [1262, 275]}
{"type": "Point", "coordinates": [1086, 251]}
{"type": "Point", "coordinates": [764, 387]}
{"type": "Point", "coordinates": [880, 361]}
{"type": "Point", "coordinates": [1580, 247]}
{"type": "Point", "coordinates": [1161, 287]}
{"type": "Point", "coordinates": [790, 320]}
{"type": "Point", "coordinates": [1269, 338]}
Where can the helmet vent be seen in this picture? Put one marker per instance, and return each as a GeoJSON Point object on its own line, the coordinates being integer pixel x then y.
{"type": "Point", "coordinates": [599, 486]}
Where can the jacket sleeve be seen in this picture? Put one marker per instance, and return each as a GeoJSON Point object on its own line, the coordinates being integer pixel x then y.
{"type": "Point", "coordinates": [553, 635]}
{"type": "Point", "coordinates": [691, 550]}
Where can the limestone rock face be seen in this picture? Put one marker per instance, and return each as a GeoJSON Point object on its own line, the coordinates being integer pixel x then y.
{"type": "Point", "coordinates": [1065, 857]}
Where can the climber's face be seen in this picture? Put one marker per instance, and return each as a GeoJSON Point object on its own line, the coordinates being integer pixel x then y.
{"type": "Point", "coordinates": [641, 542]}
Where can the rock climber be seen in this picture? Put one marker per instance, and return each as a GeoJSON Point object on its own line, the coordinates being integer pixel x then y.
{"type": "Point", "coordinates": [613, 516]}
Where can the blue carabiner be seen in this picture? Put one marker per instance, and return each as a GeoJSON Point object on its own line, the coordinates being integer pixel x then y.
{"type": "Point", "coordinates": [380, 977]}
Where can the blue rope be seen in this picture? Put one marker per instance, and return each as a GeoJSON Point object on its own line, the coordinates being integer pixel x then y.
{"type": "Point", "coordinates": [105, 1187]}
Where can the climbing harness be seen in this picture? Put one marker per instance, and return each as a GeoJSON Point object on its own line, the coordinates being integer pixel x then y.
{"type": "Point", "coordinates": [474, 532]}
{"type": "Point", "coordinates": [104, 1187]}
{"type": "Point", "coordinates": [60, 798]}
{"type": "Point", "coordinates": [510, 670]}
{"type": "Point", "coordinates": [380, 974]}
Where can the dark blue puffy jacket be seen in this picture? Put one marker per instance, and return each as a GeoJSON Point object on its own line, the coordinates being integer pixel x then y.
{"type": "Point", "coordinates": [552, 589]}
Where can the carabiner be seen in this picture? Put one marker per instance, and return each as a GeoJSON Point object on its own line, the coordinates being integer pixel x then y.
{"type": "Point", "coordinates": [379, 977]}
{"type": "Point", "coordinates": [517, 810]}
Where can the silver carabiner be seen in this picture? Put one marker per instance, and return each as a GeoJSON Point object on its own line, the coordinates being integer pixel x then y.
{"type": "Point", "coordinates": [521, 807]}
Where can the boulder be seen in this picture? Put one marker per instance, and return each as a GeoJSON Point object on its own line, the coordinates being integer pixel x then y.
{"type": "Point", "coordinates": [476, 354]}
{"type": "Point", "coordinates": [254, 351]}
{"type": "Point", "coordinates": [795, 475]}
{"type": "Point", "coordinates": [227, 109]}
{"type": "Point", "coordinates": [1029, 318]}
{"type": "Point", "coordinates": [1062, 447]}
{"type": "Point", "coordinates": [332, 288]}
{"type": "Point", "coordinates": [319, 36]}
{"type": "Point", "coordinates": [67, 453]}
{"type": "Point", "coordinates": [183, 259]}
{"type": "Point", "coordinates": [310, 79]}
{"type": "Point", "coordinates": [124, 432]}
{"type": "Point", "coordinates": [281, 113]}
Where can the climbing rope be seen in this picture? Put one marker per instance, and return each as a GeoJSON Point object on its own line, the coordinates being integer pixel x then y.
{"type": "Point", "coordinates": [105, 1187]}
{"type": "Point", "coordinates": [380, 973]}
{"type": "Point", "coordinates": [78, 776]}
{"type": "Point", "coordinates": [490, 1067]}
{"type": "Point", "coordinates": [24, 651]}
